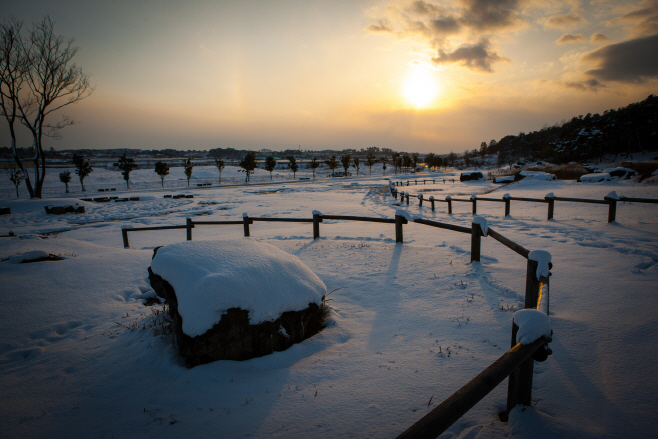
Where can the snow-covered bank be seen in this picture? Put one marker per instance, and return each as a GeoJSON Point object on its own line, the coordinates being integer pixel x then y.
{"type": "Point", "coordinates": [412, 321]}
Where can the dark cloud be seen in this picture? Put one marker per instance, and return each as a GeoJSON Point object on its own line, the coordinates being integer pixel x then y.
{"type": "Point", "coordinates": [424, 8]}
{"type": "Point", "coordinates": [475, 57]}
{"type": "Point", "coordinates": [570, 38]}
{"type": "Point", "coordinates": [445, 25]}
{"type": "Point", "coordinates": [563, 21]}
{"type": "Point", "coordinates": [642, 22]}
{"type": "Point", "coordinates": [381, 26]}
{"type": "Point", "coordinates": [599, 38]}
{"type": "Point", "coordinates": [488, 15]}
{"type": "Point", "coordinates": [629, 61]}
{"type": "Point", "coordinates": [470, 20]}
{"type": "Point", "coordinates": [589, 85]}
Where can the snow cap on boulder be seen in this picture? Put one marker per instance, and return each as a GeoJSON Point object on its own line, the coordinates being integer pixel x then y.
{"type": "Point", "coordinates": [210, 277]}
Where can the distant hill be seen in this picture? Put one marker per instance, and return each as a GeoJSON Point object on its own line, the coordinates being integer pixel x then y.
{"type": "Point", "coordinates": [629, 129]}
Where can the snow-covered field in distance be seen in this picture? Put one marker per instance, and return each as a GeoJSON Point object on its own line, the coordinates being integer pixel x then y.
{"type": "Point", "coordinates": [411, 322]}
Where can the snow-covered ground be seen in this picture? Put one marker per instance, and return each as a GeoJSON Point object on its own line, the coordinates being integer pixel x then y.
{"type": "Point", "coordinates": [82, 357]}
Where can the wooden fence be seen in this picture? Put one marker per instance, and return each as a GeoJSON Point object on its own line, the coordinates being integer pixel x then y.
{"type": "Point", "coordinates": [548, 199]}
{"type": "Point", "coordinates": [517, 363]}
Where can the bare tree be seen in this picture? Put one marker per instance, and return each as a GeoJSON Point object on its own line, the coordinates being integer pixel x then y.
{"type": "Point", "coordinates": [13, 71]}
{"type": "Point", "coordinates": [39, 78]}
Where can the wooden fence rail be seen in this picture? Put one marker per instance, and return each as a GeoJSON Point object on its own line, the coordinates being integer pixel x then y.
{"type": "Point", "coordinates": [549, 200]}
{"type": "Point", "coordinates": [517, 363]}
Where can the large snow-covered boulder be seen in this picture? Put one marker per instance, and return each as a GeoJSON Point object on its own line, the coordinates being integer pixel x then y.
{"type": "Point", "coordinates": [594, 178]}
{"type": "Point", "coordinates": [620, 173]}
{"type": "Point", "coordinates": [538, 175]}
{"type": "Point", "coordinates": [472, 176]}
{"type": "Point", "coordinates": [236, 299]}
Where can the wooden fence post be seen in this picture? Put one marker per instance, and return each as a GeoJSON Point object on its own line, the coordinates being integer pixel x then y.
{"type": "Point", "coordinates": [420, 201]}
{"type": "Point", "coordinates": [399, 220]}
{"type": "Point", "coordinates": [432, 202]}
{"type": "Point", "coordinates": [395, 194]}
{"type": "Point", "coordinates": [317, 219]}
{"type": "Point", "coordinates": [551, 206]}
{"type": "Point", "coordinates": [531, 285]}
{"type": "Point", "coordinates": [507, 205]}
{"type": "Point", "coordinates": [612, 209]}
{"type": "Point", "coordinates": [124, 233]}
{"type": "Point", "coordinates": [449, 205]}
{"type": "Point", "coordinates": [476, 242]}
{"type": "Point", "coordinates": [245, 223]}
{"type": "Point", "coordinates": [190, 226]}
{"type": "Point", "coordinates": [519, 389]}
{"type": "Point", "coordinates": [407, 195]}
{"type": "Point", "coordinates": [474, 200]}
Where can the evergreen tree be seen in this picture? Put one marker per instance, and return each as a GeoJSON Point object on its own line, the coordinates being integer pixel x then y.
{"type": "Point", "coordinates": [188, 166]}
{"type": "Point", "coordinates": [126, 165]}
{"type": "Point", "coordinates": [293, 165]}
{"type": "Point", "coordinates": [370, 160]}
{"type": "Point", "coordinates": [220, 165]}
{"type": "Point", "coordinates": [332, 164]}
{"type": "Point", "coordinates": [345, 159]}
{"type": "Point", "coordinates": [65, 177]}
{"type": "Point", "coordinates": [82, 168]}
{"type": "Point", "coordinates": [249, 164]}
{"type": "Point", "coordinates": [313, 165]}
{"type": "Point", "coordinates": [270, 165]}
{"type": "Point", "coordinates": [15, 176]}
{"type": "Point", "coordinates": [162, 169]}
{"type": "Point", "coordinates": [357, 164]}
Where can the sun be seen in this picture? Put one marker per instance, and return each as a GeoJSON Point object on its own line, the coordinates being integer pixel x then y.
{"type": "Point", "coordinates": [420, 88]}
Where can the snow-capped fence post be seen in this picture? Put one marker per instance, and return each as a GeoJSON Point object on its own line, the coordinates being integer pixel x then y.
{"type": "Point", "coordinates": [400, 219]}
{"type": "Point", "coordinates": [189, 226]}
{"type": "Point", "coordinates": [317, 219]}
{"type": "Point", "coordinates": [550, 199]}
{"type": "Point", "coordinates": [407, 195]}
{"type": "Point", "coordinates": [507, 200]}
{"type": "Point", "coordinates": [432, 202]}
{"type": "Point", "coordinates": [537, 292]}
{"type": "Point", "coordinates": [449, 200]}
{"type": "Point", "coordinates": [420, 201]}
{"type": "Point", "coordinates": [474, 200]}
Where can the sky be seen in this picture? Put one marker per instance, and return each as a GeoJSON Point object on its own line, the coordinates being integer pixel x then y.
{"type": "Point", "coordinates": [416, 76]}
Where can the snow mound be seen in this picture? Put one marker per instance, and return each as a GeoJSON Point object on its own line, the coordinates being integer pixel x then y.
{"type": "Point", "coordinates": [532, 324]}
{"type": "Point", "coordinates": [29, 256]}
{"type": "Point", "coordinates": [210, 277]}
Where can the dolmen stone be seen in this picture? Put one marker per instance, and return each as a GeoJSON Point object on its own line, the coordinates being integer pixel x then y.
{"type": "Point", "coordinates": [236, 299]}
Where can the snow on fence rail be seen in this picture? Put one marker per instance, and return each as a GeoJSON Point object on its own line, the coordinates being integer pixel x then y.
{"type": "Point", "coordinates": [611, 200]}
{"type": "Point", "coordinates": [517, 363]}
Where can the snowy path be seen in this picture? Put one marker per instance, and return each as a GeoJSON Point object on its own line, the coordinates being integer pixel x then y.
{"type": "Point", "coordinates": [68, 370]}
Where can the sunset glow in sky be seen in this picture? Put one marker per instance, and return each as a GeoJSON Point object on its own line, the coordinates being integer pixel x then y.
{"type": "Point", "coordinates": [426, 76]}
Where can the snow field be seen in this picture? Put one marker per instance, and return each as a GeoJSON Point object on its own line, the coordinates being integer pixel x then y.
{"type": "Point", "coordinates": [68, 370]}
